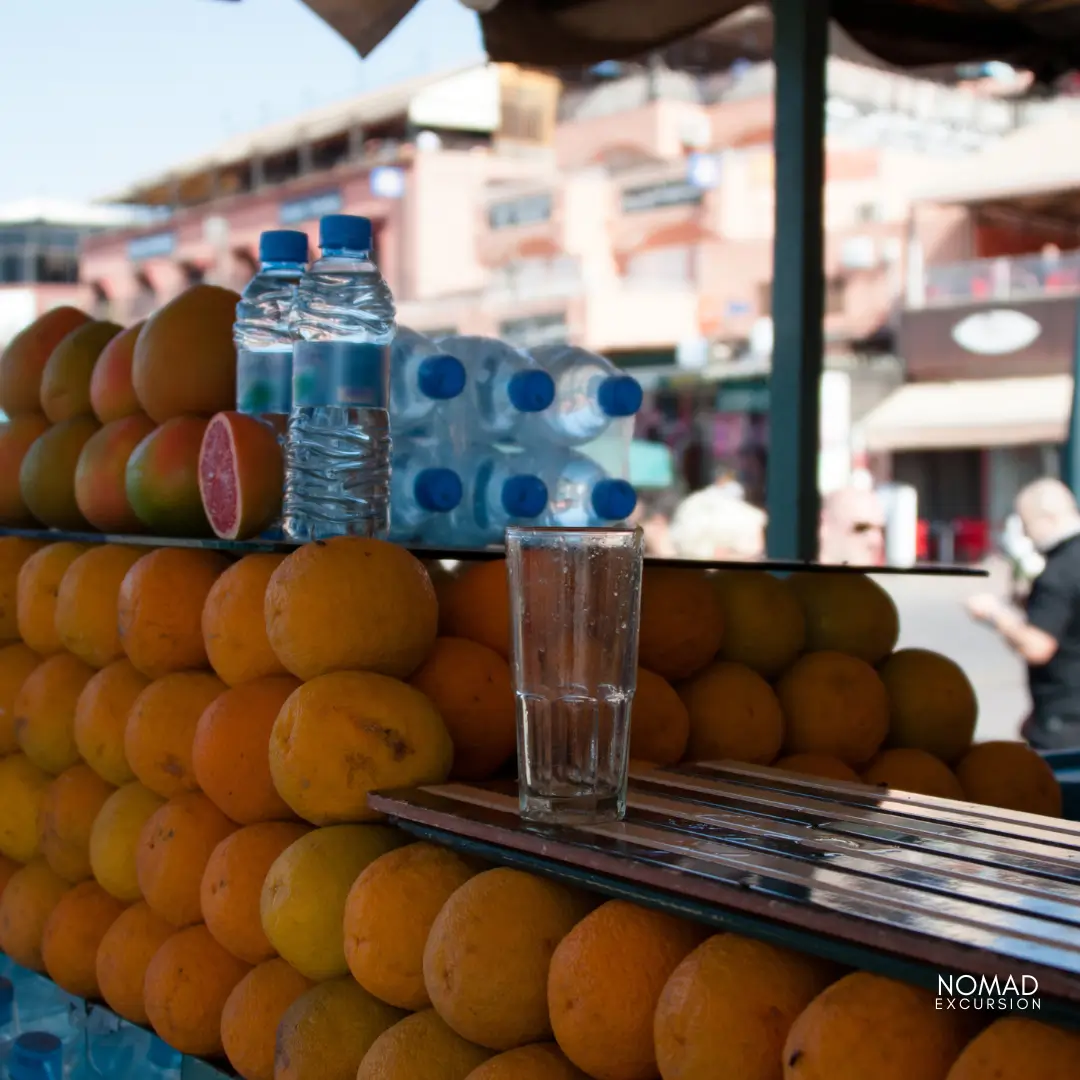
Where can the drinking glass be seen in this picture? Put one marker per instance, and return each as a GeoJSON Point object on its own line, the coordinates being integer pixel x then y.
{"type": "Point", "coordinates": [575, 601]}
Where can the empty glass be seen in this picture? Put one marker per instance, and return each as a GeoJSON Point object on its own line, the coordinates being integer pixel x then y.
{"type": "Point", "coordinates": [575, 599]}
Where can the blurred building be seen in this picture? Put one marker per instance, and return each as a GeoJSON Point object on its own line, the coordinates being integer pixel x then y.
{"type": "Point", "coordinates": [39, 256]}
{"type": "Point", "coordinates": [627, 208]}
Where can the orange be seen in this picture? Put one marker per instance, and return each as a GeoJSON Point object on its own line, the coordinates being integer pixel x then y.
{"type": "Point", "coordinates": [47, 473]}
{"type": "Point", "coordinates": [112, 397]}
{"type": "Point", "coordinates": [340, 736]}
{"type": "Point", "coordinates": [45, 712]}
{"type": "Point", "coordinates": [303, 895]}
{"type": "Point", "coordinates": [22, 792]}
{"type": "Point", "coordinates": [25, 906]}
{"type": "Point", "coordinates": [326, 1032]}
{"type": "Point", "coordinates": [14, 551]}
{"type": "Point", "coordinates": [23, 360]}
{"type": "Point", "coordinates": [351, 604]}
{"type": "Point", "coordinates": [86, 605]}
{"type": "Point", "coordinates": [659, 721]}
{"type": "Point", "coordinates": [682, 621]}
{"type": "Point", "coordinates": [160, 732]}
{"type": "Point", "coordinates": [869, 1026]}
{"type": "Point", "coordinates": [540, 1061]}
{"type": "Point", "coordinates": [828, 768]}
{"type": "Point", "coordinates": [915, 771]}
{"type": "Point", "coordinates": [71, 803]}
{"type": "Point", "coordinates": [171, 854]}
{"type": "Point", "coordinates": [487, 956]}
{"type": "Point", "coordinates": [833, 704]}
{"type": "Point", "coordinates": [65, 379]}
{"type": "Point", "coordinates": [16, 663]}
{"type": "Point", "coordinates": [421, 1047]}
{"type": "Point", "coordinates": [232, 884]}
{"type": "Point", "coordinates": [250, 1019]}
{"type": "Point", "coordinates": [764, 626]}
{"type": "Point", "coordinates": [734, 715]}
{"type": "Point", "coordinates": [184, 360]}
{"type": "Point", "coordinates": [389, 913]}
{"type": "Point", "coordinates": [932, 705]}
{"type": "Point", "coordinates": [1015, 1048]}
{"type": "Point", "coordinates": [160, 606]}
{"type": "Point", "coordinates": [184, 1010]}
{"type": "Point", "coordinates": [848, 613]}
{"type": "Point", "coordinates": [728, 1007]}
{"type": "Point", "coordinates": [470, 686]}
{"type": "Point", "coordinates": [606, 978]}
{"type": "Point", "coordinates": [123, 956]}
{"type": "Point", "coordinates": [114, 837]}
{"type": "Point", "coordinates": [241, 475]}
{"type": "Point", "coordinates": [233, 624]}
{"type": "Point", "coordinates": [17, 435]}
{"type": "Point", "coordinates": [73, 932]}
{"type": "Point", "coordinates": [475, 605]}
{"type": "Point", "coordinates": [38, 585]}
{"type": "Point", "coordinates": [101, 716]}
{"type": "Point", "coordinates": [8, 868]}
{"type": "Point", "coordinates": [1010, 775]}
{"type": "Point", "coordinates": [230, 754]}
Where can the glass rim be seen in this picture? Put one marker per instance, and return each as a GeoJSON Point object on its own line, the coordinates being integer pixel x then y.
{"type": "Point", "coordinates": [529, 531]}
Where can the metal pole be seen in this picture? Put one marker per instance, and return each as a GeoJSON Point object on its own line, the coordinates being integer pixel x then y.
{"type": "Point", "coordinates": [1070, 452]}
{"type": "Point", "coordinates": [800, 49]}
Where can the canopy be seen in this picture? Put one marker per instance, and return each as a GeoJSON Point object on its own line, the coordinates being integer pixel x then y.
{"type": "Point", "coordinates": [1043, 35]}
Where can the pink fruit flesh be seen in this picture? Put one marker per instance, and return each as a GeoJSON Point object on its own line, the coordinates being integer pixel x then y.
{"type": "Point", "coordinates": [217, 480]}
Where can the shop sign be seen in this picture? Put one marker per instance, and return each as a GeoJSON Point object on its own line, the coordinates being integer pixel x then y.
{"type": "Point", "coordinates": [156, 246]}
{"type": "Point", "coordinates": [310, 207]}
{"type": "Point", "coordinates": [996, 333]}
{"type": "Point", "coordinates": [657, 196]}
{"type": "Point", "coordinates": [743, 396]}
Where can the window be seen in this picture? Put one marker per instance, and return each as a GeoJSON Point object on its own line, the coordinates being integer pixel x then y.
{"type": "Point", "coordinates": [835, 294]}
{"type": "Point", "coordinates": [868, 212]}
{"type": "Point", "coordinates": [526, 210]}
{"type": "Point", "coordinates": [533, 330]}
{"type": "Point", "coordinates": [654, 196]}
{"type": "Point", "coordinates": [672, 266]}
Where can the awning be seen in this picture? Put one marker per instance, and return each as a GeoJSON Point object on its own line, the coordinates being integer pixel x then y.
{"type": "Point", "coordinates": [971, 413]}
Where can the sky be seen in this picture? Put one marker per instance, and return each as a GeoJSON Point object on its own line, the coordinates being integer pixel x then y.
{"type": "Point", "coordinates": [95, 94]}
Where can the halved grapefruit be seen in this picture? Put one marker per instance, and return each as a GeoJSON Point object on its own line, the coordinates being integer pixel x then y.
{"type": "Point", "coordinates": [241, 475]}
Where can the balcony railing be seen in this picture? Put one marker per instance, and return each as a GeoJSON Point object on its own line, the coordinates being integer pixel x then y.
{"type": "Point", "coordinates": [1023, 277]}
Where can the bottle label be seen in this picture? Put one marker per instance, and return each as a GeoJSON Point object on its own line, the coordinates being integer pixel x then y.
{"type": "Point", "coordinates": [340, 373]}
{"type": "Point", "coordinates": [264, 380]}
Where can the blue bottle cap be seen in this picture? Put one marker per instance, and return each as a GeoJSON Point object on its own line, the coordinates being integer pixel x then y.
{"type": "Point", "coordinates": [531, 391]}
{"type": "Point", "coordinates": [163, 1055]}
{"type": "Point", "coordinates": [437, 490]}
{"type": "Point", "coordinates": [283, 245]}
{"type": "Point", "coordinates": [524, 496]}
{"type": "Point", "coordinates": [345, 232]}
{"type": "Point", "coordinates": [613, 500]}
{"type": "Point", "coordinates": [37, 1055]}
{"type": "Point", "coordinates": [619, 395]}
{"type": "Point", "coordinates": [441, 377]}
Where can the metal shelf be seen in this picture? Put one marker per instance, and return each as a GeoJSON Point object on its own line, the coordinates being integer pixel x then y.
{"type": "Point", "coordinates": [248, 547]}
{"type": "Point", "coordinates": [904, 885]}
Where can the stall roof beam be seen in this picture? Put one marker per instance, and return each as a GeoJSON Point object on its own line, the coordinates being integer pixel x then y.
{"type": "Point", "coordinates": [801, 46]}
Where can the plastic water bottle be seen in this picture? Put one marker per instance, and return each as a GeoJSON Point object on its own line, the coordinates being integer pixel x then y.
{"type": "Point", "coordinates": [263, 336]}
{"type": "Point", "coordinates": [337, 479]}
{"type": "Point", "coordinates": [422, 377]}
{"type": "Point", "coordinates": [118, 1050]}
{"type": "Point", "coordinates": [36, 1055]}
{"type": "Point", "coordinates": [503, 386]}
{"type": "Point", "coordinates": [581, 495]}
{"type": "Point", "coordinates": [500, 489]}
{"type": "Point", "coordinates": [420, 489]}
{"type": "Point", "coordinates": [9, 1024]}
{"type": "Point", "coordinates": [590, 394]}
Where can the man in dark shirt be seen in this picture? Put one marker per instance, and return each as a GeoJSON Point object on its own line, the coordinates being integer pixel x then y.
{"type": "Point", "coordinates": [1047, 636]}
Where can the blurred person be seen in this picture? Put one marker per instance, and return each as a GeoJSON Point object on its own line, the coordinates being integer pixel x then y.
{"type": "Point", "coordinates": [852, 528]}
{"type": "Point", "coordinates": [1047, 634]}
{"type": "Point", "coordinates": [653, 513]}
{"type": "Point", "coordinates": [712, 524]}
